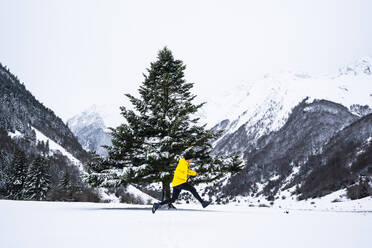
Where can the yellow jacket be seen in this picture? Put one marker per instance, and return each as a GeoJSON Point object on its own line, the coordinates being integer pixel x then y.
{"type": "Point", "coordinates": [181, 172]}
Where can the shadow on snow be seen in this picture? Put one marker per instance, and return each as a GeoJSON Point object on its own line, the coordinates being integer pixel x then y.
{"type": "Point", "coordinates": [149, 209]}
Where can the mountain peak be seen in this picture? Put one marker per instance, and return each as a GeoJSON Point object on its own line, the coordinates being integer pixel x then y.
{"type": "Point", "coordinates": [109, 114]}
{"type": "Point", "coordinates": [90, 129]}
{"type": "Point", "coordinates": [86, 118]}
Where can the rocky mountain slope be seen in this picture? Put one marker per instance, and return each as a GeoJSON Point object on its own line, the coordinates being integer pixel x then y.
{"type": "Point", "coordinates": [345, 160]}
{"type": "Point", "coordinates": [20, 111]}
{"type": "Point", "coordinates": [315, 133]}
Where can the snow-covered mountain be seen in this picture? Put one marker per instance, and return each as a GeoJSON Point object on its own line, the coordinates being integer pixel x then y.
{"type": "Point", "coordinates": [321, 148]}
{"type": "Point", "coordinates": [285, 126]}
{"type": "Point", "coordinates": [90, 129]}
{"type": "Point", "coordinates": [258, 108]}
{"type": "Point", "coordinates": [30, 128]}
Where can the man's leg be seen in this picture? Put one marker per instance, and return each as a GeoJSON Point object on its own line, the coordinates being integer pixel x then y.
{"type": "Point", "coordinates": [189, 187]}
{"type": "Point", "coordinates": [175, 194]}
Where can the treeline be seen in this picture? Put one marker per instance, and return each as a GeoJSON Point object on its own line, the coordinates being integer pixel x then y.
{"type": "Point", "coordinates": [343, 169]}
{"type": "Point", "coordinates": [29, 172]}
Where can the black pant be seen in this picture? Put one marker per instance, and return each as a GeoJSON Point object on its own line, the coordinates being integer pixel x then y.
{"type": "Point", "coordinates": [177, 191]}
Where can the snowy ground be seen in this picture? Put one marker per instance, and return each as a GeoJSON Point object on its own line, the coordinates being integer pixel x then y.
{"type": "Point", "coordinates": [51, 224]}
{"type": "Point", "coordinates": [336, 201]}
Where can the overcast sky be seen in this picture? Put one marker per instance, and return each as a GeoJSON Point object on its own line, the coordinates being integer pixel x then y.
{"type": "Point", "coordinates": [73, 54]}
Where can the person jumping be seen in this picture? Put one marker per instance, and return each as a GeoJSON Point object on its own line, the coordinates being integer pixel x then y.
{"type": "Point", "coordinates": [180, 182]}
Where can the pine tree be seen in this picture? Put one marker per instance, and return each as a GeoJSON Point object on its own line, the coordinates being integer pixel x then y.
{"type": "Point", "coordinates": [38, 180]}
{"type": "Point", "coordinates": [3, 173]}
{"type": "Point", "coordinates": [65, 187]}
{"type": "Point", "coordinates": [162, 127]}
{"type": "Point", "coordinates": [16, 176]}
{"type": "Point", "coordinates": [65, 182]}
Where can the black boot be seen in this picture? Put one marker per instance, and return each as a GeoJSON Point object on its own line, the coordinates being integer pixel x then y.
{"type": "Point", "coordinates": [155, 207]}
{"type": "Point", "coordinates": [205, 203]}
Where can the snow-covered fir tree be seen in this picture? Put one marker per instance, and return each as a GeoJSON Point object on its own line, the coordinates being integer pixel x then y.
{"type": "Point", "coordinates": [16, 176]}
{"type": "Point", "coordinates": [38, 180]}
{"type": "Point", "coordinates": [163, 126]}
{"type": "Point", "coordinates": [3, 166]}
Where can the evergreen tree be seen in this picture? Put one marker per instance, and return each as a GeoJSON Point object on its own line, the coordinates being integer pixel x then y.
{"type": "Point", "coordinates": [3, 173]}
{"type": "Point", "coordinates": [236, 164]}
{"type": "Point", "coordinates": [16, 176]}
{"type": "Point", "coordinates": [38, 180]}
{"type": "Point", "coordinates": [65, 188]}
{"type": "Point", "coordinates": [65, 182]}
{"type": "Point", "coordinates": [162, 127]}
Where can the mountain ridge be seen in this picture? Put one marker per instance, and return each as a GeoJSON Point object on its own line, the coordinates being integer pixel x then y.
{"type": "Point", "coordinates": [267, 103]}
{"type": "Point", "coordinates": [20, 110]}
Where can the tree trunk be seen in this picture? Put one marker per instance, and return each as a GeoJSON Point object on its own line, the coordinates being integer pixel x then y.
{"type": "Point", "coordinates": [166, 190]}
{"type": "Point", "coordinates": [162, 194]}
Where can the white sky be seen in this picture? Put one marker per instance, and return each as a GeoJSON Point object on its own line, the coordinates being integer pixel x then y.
{"type": "Point", "coordinates": [73, 54]}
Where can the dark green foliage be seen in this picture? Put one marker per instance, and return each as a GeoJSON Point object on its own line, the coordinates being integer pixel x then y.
{"type": "Point", "coordinates": [101, 173]}
{"type": "Point", "coordinates": [38, 180]}
{"type": "Point", "coordinates": [236, 164]}
{"type": "Point", "coordinates": [160, 129]}
{"type": "Point", "coordinates": [16, 176]}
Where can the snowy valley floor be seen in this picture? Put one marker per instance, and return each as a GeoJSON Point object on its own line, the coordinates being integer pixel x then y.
{"type": "Point", "coordinates": [56, 224]}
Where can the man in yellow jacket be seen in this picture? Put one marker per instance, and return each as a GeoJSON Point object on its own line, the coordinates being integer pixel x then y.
{"type": "Point", "coordinates": [180, 182]}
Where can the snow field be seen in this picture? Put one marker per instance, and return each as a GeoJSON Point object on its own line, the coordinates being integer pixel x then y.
{"type": "Point", "coordinates": [53, 146]}
{"type": "Point", "coordinates": [57, 224]}
{"type": "Point", "coordinates": [335, 201]}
